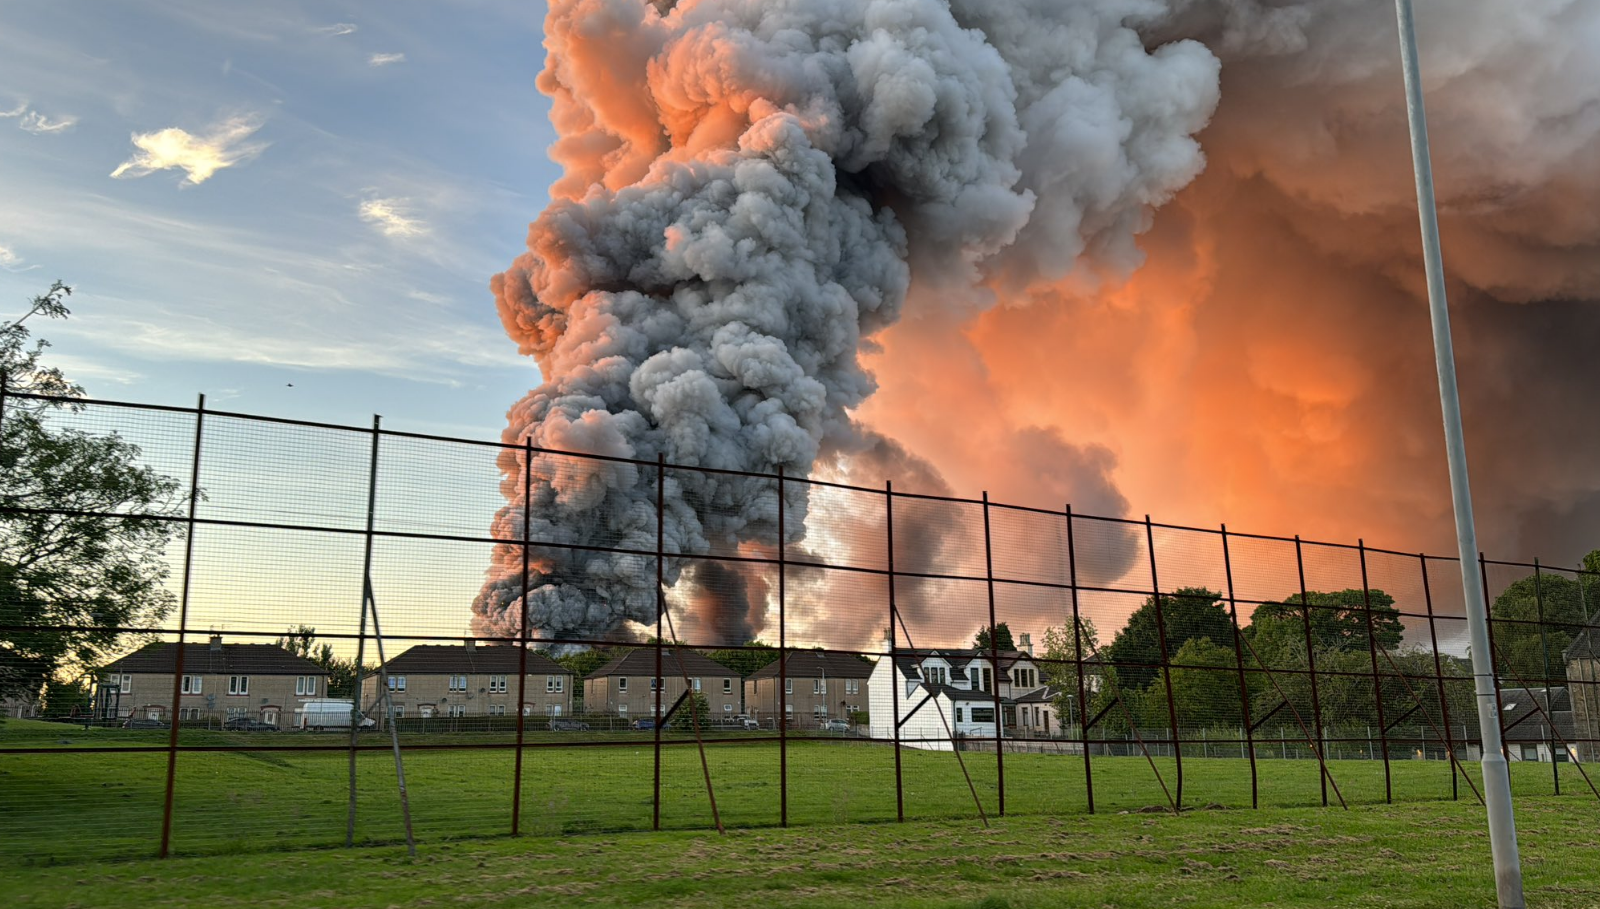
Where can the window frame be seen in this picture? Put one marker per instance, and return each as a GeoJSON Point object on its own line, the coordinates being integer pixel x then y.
{"type": "Point", "coordinates": [238, 686]}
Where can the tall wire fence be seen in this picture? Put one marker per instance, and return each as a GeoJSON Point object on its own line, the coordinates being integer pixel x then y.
{"type": "Point", "coordinates": [878, 655]}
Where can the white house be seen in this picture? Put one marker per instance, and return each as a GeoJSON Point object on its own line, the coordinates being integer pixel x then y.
{"type": "Point", "coordinates": [948, 693]}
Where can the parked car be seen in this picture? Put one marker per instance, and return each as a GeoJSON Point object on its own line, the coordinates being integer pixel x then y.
{"type": "Point", "coordinates": [644, 723]}
{"type": "Point", "coordinates": [561, 725]}
{"type": "Point", "coordinates": [139, 722]}
{"type": "Point", "coordinates": [328, 713]}
{"type": "Point", "coordinates": [248, 724]}
{"type": "Point", "coordinates": [836, 726]}
{"type": "Point", "coordinates": [744, 722]}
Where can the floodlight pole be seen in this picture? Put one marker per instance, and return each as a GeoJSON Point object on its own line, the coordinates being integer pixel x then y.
{"type": "Point", "coordinates": [1496, 772]}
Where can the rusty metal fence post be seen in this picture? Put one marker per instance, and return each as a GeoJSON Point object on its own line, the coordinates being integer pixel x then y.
{"type": "Point", "coordinates": [1311, 661]}
{"type": "Point", "coordinates": [1438, 675]}
{"type": "Point", "coordinates": [183, 627]}
{"type": "Point", "coordinates": [661, 609]}
{"type": "Point", "coordinates": [783, 667]}
{"type": "Point", "coordinates": [894, 663]}
{"type": "Point", "coordinates": [1238, 657]}
{"type": "Point", "coordinates": [1166, 661]}
{"type": "Point", "coordinates": [1077, 662]}
{"type": "Point", "coordinates": [361, 640]}
{"type": "Point", "coordinates": [1377, 680]}
{"type": "Point", "coordinates": [1549, 694]}
{"type": "Point", "coordinates": [522, 637]}
{"type": "Point", "coordinates": [994, 652]}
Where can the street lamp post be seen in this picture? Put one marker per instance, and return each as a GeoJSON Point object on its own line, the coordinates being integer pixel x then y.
{"type": "Point", "coordinates": [1496, 773]}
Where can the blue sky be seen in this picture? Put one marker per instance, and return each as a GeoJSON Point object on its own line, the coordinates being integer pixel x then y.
{"type": "Point", "coordinates": [347, 178]}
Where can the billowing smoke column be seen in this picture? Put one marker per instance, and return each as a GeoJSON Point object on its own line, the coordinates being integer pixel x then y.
{"type": "Point", "coordinates": [749, 188]}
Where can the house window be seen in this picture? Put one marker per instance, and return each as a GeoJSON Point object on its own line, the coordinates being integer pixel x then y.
{"type": "Point", "coordinates": [123, 683]}
{"type": "Point", "coordinates": [555, 684]}
{"type": "Point", "coordinates": [497, 684]}
{"type": "Point", "coordinates": [553, 710]}
{"type": "Point", "coordinates": [657, 683]}
{"type": "Point", "coordinates": [820, 711]}
{"type": "Point", "coordinates": [458, 683]}
{"type": "Point", "coordinates": [988, 679]}
{"type": "Point", "coordinates": [852, 686]}
{"type": "Point", "coordinates": [399, 711]}
{"type": "Point", "coordinates": [622, 684]}
{"type": "Point", "coordinates": [305, 685]}
{"type": "Point", "coordinates": [983, 714]}
{"type": "Point", "coordinates": [622, 710]}
{"type": "Point", "coordinates": [1530, 752]}
{"type": "Point", "coordinates": [696, 684]}
{"type": "Point", "coordinates": [397, 683]}
{"type": "Point", "coordinates": [727, 708]}
{"type": "Point", "coordinates": [191, 684]}
{"type": "Point", "coordinates": [458, 709]}
{"type": "Point", "coordinates": [497, 710]}
{"type": "Point", "coordinates": [189, 713]}
{"type": "Point", "coordinates": [958, 714]}
{"type": "Point", "coordinates": [426, 710]}
{"type": "Point", "coordinates": [238, 684]}
{"type": "Point", "coordinates": [237, 712]}
{"type": "Point", "coordinates": [788, 686]}
{"type": "Point", "coordinates": [727, 686]}
{"type": "Point", "coordinates": [933, 675]}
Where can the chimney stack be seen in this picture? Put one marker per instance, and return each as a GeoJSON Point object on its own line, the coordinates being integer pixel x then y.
{"type": "Point", "coordinates": [1025, 643]}
{"type": "Point", "coordinates": [216, 642]}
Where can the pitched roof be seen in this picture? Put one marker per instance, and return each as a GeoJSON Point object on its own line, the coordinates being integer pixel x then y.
{"type": "Point", "coordinates": [1586, 644]}
{"type": "Point", "coordinates": [1039, 695]}
{"type": "Point", "coordinates": [641, 661]}
{"type": "Point", "coordinates": [1530, 712]}
{"type": "Point", "coordinates": [814, 664]}
{"type": "Point", "coordinates": [459, 659]}
{"type": "Point", "coordinates": [225, 659]}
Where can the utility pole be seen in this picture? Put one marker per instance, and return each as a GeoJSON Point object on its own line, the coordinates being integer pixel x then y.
{"type": "Point", "coordinates": [1496, 773]}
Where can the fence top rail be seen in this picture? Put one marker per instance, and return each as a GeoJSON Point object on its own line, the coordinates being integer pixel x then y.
{"type": "Point", "coordinates": [369, 431]}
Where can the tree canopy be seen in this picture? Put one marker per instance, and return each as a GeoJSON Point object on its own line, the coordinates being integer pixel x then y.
{"type": "Point", "coordinates": [1537, 617]}
{"type": "Point", "coordinates": [1002, 637]}
{"type": "Point", "coordinates": [70, 578]}
{"type": "Point", "coordinates": [1186, 613]}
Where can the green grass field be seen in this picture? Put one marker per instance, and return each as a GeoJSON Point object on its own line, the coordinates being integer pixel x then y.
{"type": "Point", "coordinates": [76, 807]}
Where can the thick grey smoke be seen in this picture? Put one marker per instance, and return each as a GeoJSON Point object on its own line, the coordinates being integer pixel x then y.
{"type": "Point", "coordinates": [748, 186]}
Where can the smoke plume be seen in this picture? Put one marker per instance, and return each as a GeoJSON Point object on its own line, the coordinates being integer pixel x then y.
{"type": "Point", "coordinates": [750, 192]}
{"type": "Point", "coordinates": [1269, 364]}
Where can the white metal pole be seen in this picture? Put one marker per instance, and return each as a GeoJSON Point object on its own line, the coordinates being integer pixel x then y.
{"type": "Point", "coordinates": [1496, 773]}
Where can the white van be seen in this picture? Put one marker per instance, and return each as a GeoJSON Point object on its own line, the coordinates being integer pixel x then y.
{"type": "Point", "coordinates": [327, 713]}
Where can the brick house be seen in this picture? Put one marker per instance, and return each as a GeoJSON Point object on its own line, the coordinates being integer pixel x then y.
{"type": "Point", "coordinates": [626, 686]}
{"type": "Point", "coordinates": [220, 682]}
{"type": "Point", "coordinates": [470, 679]}
{"type": "Point", "coordinates": [819, 686]}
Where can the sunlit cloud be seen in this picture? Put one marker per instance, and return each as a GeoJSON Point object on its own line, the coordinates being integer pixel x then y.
{"type": "Point", "coordinates": [9, 259]}
{"type": "Point", "coordinates": [385, 59]}
{"type": "Point", "coordinates": [198, 155]}
{"type": "Point", "coordinates": [17, 112]}
{"type": "Point", "coordinates": [337, 29]}
{"type": "Point", "coordinates": [390, 217]}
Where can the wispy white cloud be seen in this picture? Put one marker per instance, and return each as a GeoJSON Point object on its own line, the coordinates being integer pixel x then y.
{"type": "Point", "coordinates": [336, 30]}
{"type": "Point", "coordinates": [8, 258]}
{"type": "Point", "coordinates": [200, 156]}
{"type": "Point", "coordinates": [391, 218]}
{"type": "Point", "coordinates": [385, 59]}
{"type": "Point", "coordinates": [38, 124]}
{"type": "Point", "coordinates": [29, 119]}
{"type": "Point", "coordinates": [92, 369]}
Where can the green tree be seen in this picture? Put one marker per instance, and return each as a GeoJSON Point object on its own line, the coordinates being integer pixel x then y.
{"type": "Point", "coordinates": [1059, 654]}
{"type": "Point", "coordinates": [1002, 636]}
{"type": "Point", "coordinates": [745, 662]}
{"type": "Point", "coordinates": [1187, 613]}
{"type": "Point", "coordinates": [694, 710]}
{"type": "Point", "coordinates": [1206, 697]}
{"type": "Point", "coordinates": [301, 641]}
{"type": "Point", "coordinates": [69, 578]}
{"type": "Point", "coordinates": [1524, 647]}
{"type": "Point", "coordinates": [1338, 621]}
